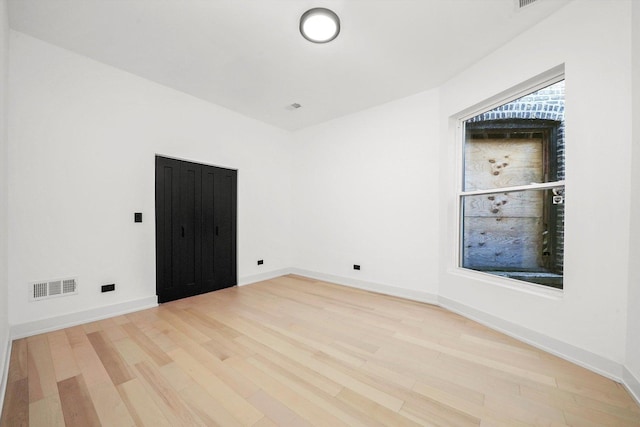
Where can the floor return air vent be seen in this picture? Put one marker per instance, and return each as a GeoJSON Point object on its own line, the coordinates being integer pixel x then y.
{"type": "Point", "coordinates": [523, 3]}
{"type": "Point", "coordinates": [52, 289]}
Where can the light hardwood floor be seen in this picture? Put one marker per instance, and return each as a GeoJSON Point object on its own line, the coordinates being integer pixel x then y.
{"type": "Point", "coordinates": [297, 352]}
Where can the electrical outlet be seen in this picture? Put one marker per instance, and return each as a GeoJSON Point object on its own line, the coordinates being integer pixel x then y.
{"type": "Point", "coordinates": [109, 288]}
{"type": "Point", "coordinates": [260, 261]}
{"type": "Point", "coordinates": [356, 267]}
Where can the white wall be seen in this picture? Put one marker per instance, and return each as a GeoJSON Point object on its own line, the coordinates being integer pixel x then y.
{"type": "Point", "coordinates": [589, 319]}
{"type": "Point", "coordinates": [633, 311]}
{"type": "Point", "coordinates": [82, 141]}
{"type": "Point", "coordinates": [365, 192]}
{"type": "Point", "coordinates": [4, 320]}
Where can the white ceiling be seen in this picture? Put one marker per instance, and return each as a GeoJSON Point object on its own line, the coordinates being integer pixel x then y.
{"type": "Point", "coordinates": [248, 55]}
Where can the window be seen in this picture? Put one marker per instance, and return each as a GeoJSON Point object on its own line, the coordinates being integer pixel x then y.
{"type": "Point", "coordinates": [512, 198]}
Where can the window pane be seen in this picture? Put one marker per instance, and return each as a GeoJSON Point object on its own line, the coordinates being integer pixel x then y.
{"type": "Point", "coordinates": [517, 143]}
{"type": "Point", "coordinates": [518, 234]}
{"type": "Point", "coordinates": [507, 162]}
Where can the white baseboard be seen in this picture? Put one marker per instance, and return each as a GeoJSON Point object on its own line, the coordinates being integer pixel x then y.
{"type": "Point", "coordinates": [632, 383]}
{"type": "Point", "coordinates": [5, 370]}
{"type": "Point", "coordinates": [35, 327]}
{"type": "Point", "coordinates": [247, 280]}
{"type": "Point", "coordinates": [581, 357]}
{"type": "Point", "coordinates": [370, 286]}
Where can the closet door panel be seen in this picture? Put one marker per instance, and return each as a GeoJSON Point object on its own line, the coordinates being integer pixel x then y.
{"type": "Point", "coordinates": [189, 255]}
{"type": "Point", "coordinates": [225, 214]}
{"type": "Point", "coordinates": [208, 229]}
{"type": "Point", "coordinates": [167, 227]}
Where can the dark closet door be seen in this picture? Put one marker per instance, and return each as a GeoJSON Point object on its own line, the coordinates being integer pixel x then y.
{"type": "Point", "coordinates": [191, 218]}
{"type": "Point", "coordinates": [178, 229]}
{"type": "Point", "coordinates": [219, 188]}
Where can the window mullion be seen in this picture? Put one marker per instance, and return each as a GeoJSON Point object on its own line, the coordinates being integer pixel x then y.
{"type": "Point", "coordinates": [532, 186]}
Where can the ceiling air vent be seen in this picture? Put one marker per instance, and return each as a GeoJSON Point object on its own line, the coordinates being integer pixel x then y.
{"type": "Point", "coordinates": [523, 3]}
{"type": "Point", "coordinates": [52, 288]}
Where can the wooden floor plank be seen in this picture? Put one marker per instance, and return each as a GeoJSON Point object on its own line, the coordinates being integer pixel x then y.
{"type": "Point", "coordinates": [294, 351]}
{"type": "Point", "coordinates": [166, 397]}
{"type": "Point", "coordinates": [42, 376]}
{"type": "Point", "coordinates": [276, 411]}
{"type": "Point", "coordinates": [18, 369]}
{"type": "Point", "coordinates": [374, 411]}
{"type": "Point", "coordinates": [111, 359]}
{"type": "Point", "coordinates": [109, 405]}
{"type": "Point", "coordinates": [64, 363]}
{"type": "Point", "coordinates": [217, 389]}
{"type": "Point", "coordinates": [313, 394]}
{"type": "Point", "coordinates": [141, 407]}
{"type": "Point", "coordinates": [303, 372]}
{"type": "Point", "coordinates": [77, 406]}
{"type": "Point", "coordinates": [90, 365]}
{"type": "Point", "coordinates": [46, 412]}
{"type": "Point", "coordinates": [209, 410]}
{"type": "Point", "coordinates": [16, 405]}
{"type": "Point", "coordinates": [15, 411]}
{"type": "Point", "coordinates": [146, 344]}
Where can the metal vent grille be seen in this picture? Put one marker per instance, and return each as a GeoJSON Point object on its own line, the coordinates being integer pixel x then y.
{"type": "Point", "coordinates": [69, 286]}
{"type": "Point", "coordinates": [39, 290]}
{"type": "Point", "coordinates": [52, 288]}
{"type": "Point", "coordinates": [55, 288]}
{"type": "Point", "coordinates": [524, 3]}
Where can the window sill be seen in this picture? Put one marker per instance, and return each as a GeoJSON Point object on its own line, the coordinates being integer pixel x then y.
{"type": "Point", "coordinates": [510, 284]}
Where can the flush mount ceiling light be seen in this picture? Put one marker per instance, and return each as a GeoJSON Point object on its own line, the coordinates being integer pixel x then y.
{"type": "Point", "coordinates": [319, 25]}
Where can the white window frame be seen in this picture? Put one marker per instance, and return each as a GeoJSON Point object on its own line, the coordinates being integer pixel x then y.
{"type": "Point", "coordinates": [549, 78]}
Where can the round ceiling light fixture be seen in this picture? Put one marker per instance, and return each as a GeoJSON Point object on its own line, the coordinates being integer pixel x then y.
{"type": "Point", "coordinates": [319, 25]}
